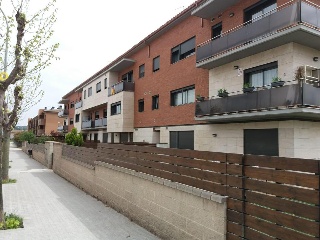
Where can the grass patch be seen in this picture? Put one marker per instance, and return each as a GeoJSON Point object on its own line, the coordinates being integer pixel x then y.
{"type": "Point", "coordinates": [9, 181]}
{"type": "Point", "coordinates": [12, 221]}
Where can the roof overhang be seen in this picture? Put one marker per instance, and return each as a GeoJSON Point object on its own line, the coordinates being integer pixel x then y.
{"type": "Point", "coordinates": [122, 64]}
{"type": "Point", "coordinates": [298, 34]}
{"type": "Point", "coordinates": [63, 101]}
{"type": "Point", "coordinates": [212, 8]}
{"type": "Point", "coordinates": [303, 114]}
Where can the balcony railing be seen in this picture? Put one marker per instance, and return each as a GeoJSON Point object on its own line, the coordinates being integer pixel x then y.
{"type": "Point", "coordinates": [41, 122]}
{"type": "Point", "coordinates": [63, 113]}
{"type": "Point", "coordinates": [63, 128]}
{"type": "Point", "coordinates": [286, 97]}
{"type": "Point", "coordinates": [284, 17]}
{"type": "Point", "coordinates": [88, 124]}
{"type": "Point", "coordinates": [78, 105]}
{"type": "Point", "coordinates": [100, 122]}
{"type": "Point", "coordinates": [120, 87]}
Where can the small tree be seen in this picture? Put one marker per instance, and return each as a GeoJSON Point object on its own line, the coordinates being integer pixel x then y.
{"type": "Point", "coordinates": [74, 138]}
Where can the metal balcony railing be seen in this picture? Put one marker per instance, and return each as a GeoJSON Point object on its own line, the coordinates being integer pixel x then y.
{"type": "Point", "coordinates": [41, 121]}
{"type": "Point", "coordinates": [88, 124]}
{"type": "Point", "coordinates": [120, 87]}
{"type": "Point", "coordinates": [98, 122]}
{"type": "Point", "coordinates": [63, 113]}
{"type": "Point", "coordinates": [104, 121]}
{"type": "Point", "coordinates": [271, 23]}
{"type": "Point", "coordinates": [299, 94]}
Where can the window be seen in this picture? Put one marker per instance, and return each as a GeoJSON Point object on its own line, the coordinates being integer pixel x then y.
{"type": "Point", "coordinates": [155, 102]}
{"type": "Point", "coordinates": [90, 91]}
{"type": "Point", "coordinates": [96, 115]}
{"type": "Point", "coordinates": [261, 142]}
{"type": "Point", "coordinates": [105, 83]}
{"type": "Point", "coordinates": [259, 10]}
{"type": "Point", "coordinates": [156, 64]}
{"type": "Point", "coordinates": [71, 121]}
{"type": "Point", "coordinates": [85, 94]}
{"type": "Point", "coordinates": [105, 113]}
{"type": "Point", "coordinates": [77, 117]}
{"type": "Point", "coordinates": [128, 77]}
{"type": "Point", "coordinates": [216, 30]}
{"type": "Point", "coordinates": [95, 137]}
{"type": "Point", "coordinates": [261, 75]}
{"type": "Point", "coordinates": [141, 71]}
{"type": "Point", "coordinates": [98, 87]}
{"type": "Point", "coordinates": [72, 105]}
{"type": "Point", "coordinates": [115, 108]}
{"type": "Point", "coordinates": [182, 96]}
{"type": "Point", "coordinates": [141, 105]}
{"type": "Point", "coordinates": [183, 50]}
{"type": "Point", "coordinates": [182, 140]}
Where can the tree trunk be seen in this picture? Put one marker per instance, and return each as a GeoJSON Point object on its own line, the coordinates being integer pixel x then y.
{"type": "Point", "coordinates": [1, 142]}
{"type": "Point", "coordinates": [5, 154]}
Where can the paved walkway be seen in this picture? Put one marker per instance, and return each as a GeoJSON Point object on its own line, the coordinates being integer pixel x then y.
{"type": "Point", "coordinates": [53, 208]}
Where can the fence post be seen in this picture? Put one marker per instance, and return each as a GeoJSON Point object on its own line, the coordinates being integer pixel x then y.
{"type": "Point", "coordinates": [243, 197]}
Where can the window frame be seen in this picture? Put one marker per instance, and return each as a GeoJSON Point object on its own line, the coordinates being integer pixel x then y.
{"type": "Point", "coordinates": [84, 94]}
{"type": "Point", "coordinates": [176, 51]}
{"type": "Point", "coordinates": [155, 102]}
{"type": "Point", "coordinates": [89, 91]}
{"type": "Point", "coordinates": [96, 115]}
{"type": "Point", "coordinates": [115, 109]}
{"type": "Point", "coordinates": [98, 87]}
{"type": "Point", "coordinates": [71, 121]}
{"type": "Point", "coordinates": [141, 105]}
{"type": "Point", "coordinates": [142, 67]}
{"type": "Point", "coordinates": [127, 77]}
{"type": "Point", "coordinates": [105, 83]}
{"type": "Point", "coordinates": [255, 8]}
{"type": "Point", "coordinates": [182, 91]}
{"type": "Point", "coordinates": [77, 119]}
{"type": "Point", "coordinates": [262, 68]}
{"type": "Point", "coordinates": [105, 113]}
{"type": "Point", "coordinates": [156, 64]}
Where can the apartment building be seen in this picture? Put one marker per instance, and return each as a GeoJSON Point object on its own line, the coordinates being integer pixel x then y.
{"type": "Point", "coordinates": [45, 122]}
{"type": "Point", "coordinates": [148, 93]}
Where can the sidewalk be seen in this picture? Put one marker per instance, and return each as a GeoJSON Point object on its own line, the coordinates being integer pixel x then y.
{"type": "Point", "coordinates": [53, 208]}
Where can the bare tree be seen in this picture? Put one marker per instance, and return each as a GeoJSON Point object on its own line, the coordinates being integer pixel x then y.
{"type": "Point", "coordinates": [29, 54]}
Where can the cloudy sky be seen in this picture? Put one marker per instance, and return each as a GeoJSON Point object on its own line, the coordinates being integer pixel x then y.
{"type": "Point", "coordinates": [92, 34]}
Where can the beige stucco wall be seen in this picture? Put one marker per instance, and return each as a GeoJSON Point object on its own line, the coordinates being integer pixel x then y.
{"type": "Point", "coordinates": [122, 122]}
{"type": "Point", "coordinates": [148, 135]}
{"type": "Point", "coordinates": [289, 56]}
{"type": "Point", "coordinates": [171, 210]}
{"type": "Point", "coordinates": [95, 99]}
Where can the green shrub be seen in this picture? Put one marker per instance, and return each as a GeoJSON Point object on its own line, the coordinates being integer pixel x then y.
{"type": "Point", "coordinates": [74, 138]}
{"type": "Point", "coordinates": [26, 136]}
{"type": "Point", "coordinates": [11, 221]}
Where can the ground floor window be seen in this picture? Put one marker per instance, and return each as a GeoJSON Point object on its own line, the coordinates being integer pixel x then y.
{"type": "Point", "coordinates": [182, 139]}
{"type": "Point", "coordinates": [261, 142]}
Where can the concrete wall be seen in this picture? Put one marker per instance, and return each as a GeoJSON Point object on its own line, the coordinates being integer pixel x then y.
{"type": "Point", "coordinates": [170, 210]}
{"type": "Point", "coordinates": [149, 135]}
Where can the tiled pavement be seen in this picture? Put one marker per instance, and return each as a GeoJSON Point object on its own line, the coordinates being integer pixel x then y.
{"type": "Point", "coordinates": [53, 208]}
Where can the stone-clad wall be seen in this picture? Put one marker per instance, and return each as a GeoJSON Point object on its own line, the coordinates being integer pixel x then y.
{"type": "Point", "coordinates": [170, 210]}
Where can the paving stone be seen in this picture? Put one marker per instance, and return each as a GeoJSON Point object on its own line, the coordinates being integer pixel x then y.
{"type": "Point", "coordinates": [54, 209]}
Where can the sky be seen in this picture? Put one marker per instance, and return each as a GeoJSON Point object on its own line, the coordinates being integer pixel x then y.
{"type": "Point", "coordinates": [93, 33]}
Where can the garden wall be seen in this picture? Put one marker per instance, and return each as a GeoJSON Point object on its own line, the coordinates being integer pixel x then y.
{"type": "Point", "coordinates": [168, 209]}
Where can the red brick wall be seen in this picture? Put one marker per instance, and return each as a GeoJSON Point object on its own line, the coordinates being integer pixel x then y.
{"type": "Point", "coordinates": [74, 97]}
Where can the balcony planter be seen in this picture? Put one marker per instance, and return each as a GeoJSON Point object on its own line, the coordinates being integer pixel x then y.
{"type": "Point", "coordinates": [247, 88]}
{"type": "Point", "coordinates": [277, 82]}
{"type": "Point", "coordinates": [223, 92]}
{"type": "Point", "coordinates": [199, 98]}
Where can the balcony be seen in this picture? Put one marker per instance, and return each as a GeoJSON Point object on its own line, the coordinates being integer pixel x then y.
{"type": "Point", "coordinates": [41, 122]}
{"type": "Point", "coordinates": [62, 128]}
{"type": "Point", "coordinates": [293, 102]}
{"type": "Point", "coordinates": [78, 105]}
{"type": "Point", "coordinates": [292, 22]}
{"type": "Point", "coordinates": [63, 113]}
{"type": "Point", "coordinates": [88, 124]}
{"type": "Point", "coordinates": [120, 87]}
{"type": "Point", "coordinates": [40, 132]}
{"type": "Point", "coordinates": [102, 122]}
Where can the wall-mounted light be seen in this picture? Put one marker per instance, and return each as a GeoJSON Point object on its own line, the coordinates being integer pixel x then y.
{"type": "Point", "coordinates": [231, 14]}
{"type": "Point", "coordinates": [316, 59]}
{"type": "Point", "coordinates": [220, 15]}
{"type": "Point", "coordinates": [235, 67]}
{"type": "Point", "coordinates": [212, 19]}
{"type": "Point", "coordinates": [214, 135]}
